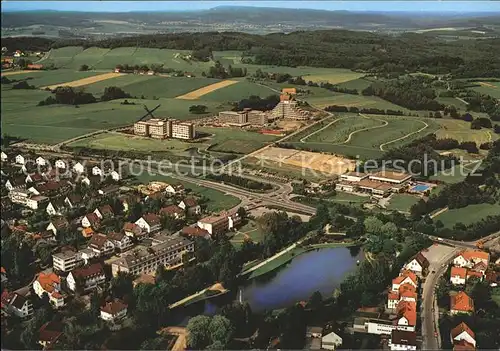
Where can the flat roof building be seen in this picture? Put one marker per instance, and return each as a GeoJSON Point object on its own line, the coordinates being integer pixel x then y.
{"type": "Point", "coordinates": [390, 176]}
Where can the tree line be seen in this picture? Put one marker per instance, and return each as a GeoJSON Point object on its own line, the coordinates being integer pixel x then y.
{"type": "Point", "coordinates": [73, 96]}
{"type": "Point", "coordinates": [240, 181]}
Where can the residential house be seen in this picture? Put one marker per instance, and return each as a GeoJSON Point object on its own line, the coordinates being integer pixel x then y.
{"type": "Point", "coordinates": [90, 180]}
{"type": "Point", "coordinates": [195, 232]}
{"type": "Point", "coordinates": [402, 340]}
{"type": "Point", "coordinates": [406, 313]}
{"type": "Point", "coordinates": [66, 260]}
{"type": "Point", "coordinates": [104, 212]}
{"type": "Point", "coordinates": [331, 341]}
{"type": "Point", "coordinates": [418, 264]}
{"type": "Point", "coordinates": [113, 311]}
{"type": "Point", "coordinates": [469, 258]}
{"type": "Point", "coordinates": [58, 223]}
{"type": "Point", "coordinates": [313, 338]}
{"type": "Point", "coordinates": [458, 275]}
{"type": "Point", "coordinates": [51, 285]}
{"type": "Point", "coordinates": [56, 207]}
{"type": "Point", "coordinates": [86, 278]}
{"type": "Point", "coordinates": [405, 292]}
{"type": "Point", "coordinates": [91, 220]}
{"type": "Point", "coordinates": [49, 333]}
{"type": "Point", "coordinates": [172, 211]}
{"type": "Point", "coordinates": [174, 189]}
{"type": "Point", "coordinates": [34, 178]}
{"type": "Point", "coordinates": [462, 333]}
{"type": "Point", "coordinates": [120, 240]}
{"type": "Point", "coordinates": [21, 160]}
{"type": "Point", "coordinates": [474, 274]}
{"type": "Point", "coordinates": [101, 245]}
{"type": "Point", "coordinates": [405, 277]}
{"type": "Point", "coordinates": [219, 224]}
{"type": "Point", "coordinates": [149, 222]}
{"type": "Point", "coordinates": [15, 183]}
{"type": "Point", "coordinates": [133, 230]}
{"type": "Point", "coordinates": [4, 157]}
{"type": "Point", "coordinates": [17, 304]}
{"type": "Point", "coordinates": [79, 168]}
{"type": "Point", "coordinates": [190, 205]}
{"type": "Point", "coordinates": [60, 164]}
{"type": "Point", "coordinates": [73, 201]}
{"type": "Point", "coordinates": [36, 202]}
{"type": "Point", "coordinates": [461, 303]}
{"type": "Point", "coordinates": [96, 170]}
{"type": "Point", "coordinates": [127, 200]}
{"type": "Point", "coordinates": [87, 232]}
{"type": "Point", "coordinates": [41, 161]}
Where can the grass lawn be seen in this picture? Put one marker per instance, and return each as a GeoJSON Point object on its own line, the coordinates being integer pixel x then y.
{"type": "Point", "coordinates": [460, 130]}
{"type": "Point", "coordinates": [468, 215]}
{"type": "Point", "coordinates": [402, 202]}
{"type": "Point", "coordinates": [152, 86]}
{"type": "Point", "coordinates": [236, 140]}
{"type": "Point", "coordinates": [218, 201]}
{"type": "Point", "coordinates": [277, 262]}
{"type": "Point", "coordinates": [250, 231]}
{"type": "Point", "coordinates": [455, 174]}
{"type": "Point", "coordinates": [343, 197]}
{"type": "Point", "coordinates": [489, 88]}
{"type": "Point", "coordinates": [354, 100]}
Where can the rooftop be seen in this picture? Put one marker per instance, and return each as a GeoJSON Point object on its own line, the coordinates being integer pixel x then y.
{"type": "Point", "coordinates": [462, 302]}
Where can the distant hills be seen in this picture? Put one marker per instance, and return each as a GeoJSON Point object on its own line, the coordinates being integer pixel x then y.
{"type": "Point", "coordinates": [234, 18]}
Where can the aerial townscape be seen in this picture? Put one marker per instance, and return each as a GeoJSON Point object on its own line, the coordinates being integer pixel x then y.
{"type": "Point", "coordinates": [197, 175]}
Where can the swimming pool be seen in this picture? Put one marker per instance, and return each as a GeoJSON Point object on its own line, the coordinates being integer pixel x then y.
{"type": "Point", "coordinates": [420, 188]}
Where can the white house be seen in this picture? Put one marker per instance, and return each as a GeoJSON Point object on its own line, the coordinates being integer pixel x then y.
{"type": "Point", "coordinates": [78, 167]}
{"type": "Point", "coordinates": [20, 159]}
{"type": "Point", "coordinates": [331, 341]}
{"type": "Point", "coordinates": [51, 285]}
{"type": "Point", "coordinates": [73, 201]}
{"type": "Point", "coordinates": [97, 171]}
{"type": "Point", "coordinates": [55, 207]}
{"type": "Point", "coordinates": [402, 340]}
{"type": "Point", "coordinates": [120, 240]}
{"type": "Point", "coordinates": [17, 304]}
{"type": "Point", "coordinates": [4, 157]}
{"type": "Point", "coordinates": [174, 189]}
{"type": "Point", "coordinates": [190, 205]}
{"type": "Point", "coordinates": [458, 275]}
{"type": "Point", "coordinates": [418, 264]}
{"type": "Point", "coordinates": [405, 277]}
{"type": "Point", "coordinates": [462, 333]}
{"type": "Point", "coordinates": [116, 176]}
{"type": "Point", "coordinates": [36, 202]}
{"type": "Point", "coordinates": [149, 222]}
{"type": "Point", "coordinates": [57, 224]}
{"type": "Point", "coordinates": [101, 245]}
{"type": "Point", "coordinates": [90, 220]}
{"type": "Point", "coordinates": [86, 278]}
{"type": "Point", "coordinates": [470, 258]}
{"type": "Point", "coordinates": [65, 261]}
{"type": "Point", "coordinates": [61, 164]}
{"type": "Point", "coordinates": [172, 211]}
{"type": "Point", "coordinates": [113, 311]}
{"type": "Point", "coordinates": [41, 161]}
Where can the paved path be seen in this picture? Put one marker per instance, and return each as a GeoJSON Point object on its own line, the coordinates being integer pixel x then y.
{"type": "Point", "coordinates": [303, 140]}
{"type": "Point", "coordinates": [405, 136]}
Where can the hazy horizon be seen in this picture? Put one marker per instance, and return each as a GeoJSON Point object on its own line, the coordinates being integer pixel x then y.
{"type": "Point", "coordinates": [165, 6]}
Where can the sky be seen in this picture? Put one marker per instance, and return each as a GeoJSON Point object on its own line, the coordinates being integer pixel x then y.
{"type": "Point", "coordinates": [367, 5]}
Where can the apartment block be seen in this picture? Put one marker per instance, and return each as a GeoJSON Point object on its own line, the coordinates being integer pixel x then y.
{"type": "Point", "coordinates": [148, 259]}
{"type": "Point", "coordinates": [165, 128]}
{"type": "Point", "coordinates": [245, 117]}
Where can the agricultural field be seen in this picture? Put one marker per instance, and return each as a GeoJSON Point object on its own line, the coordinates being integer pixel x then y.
{"type": "Point", "coordinates": [489, 88]}
{"type": "Point", "coordinates": [339, 76]}
{"type": "Point", "coordinates": [86, 81]}
{"type": "Point", "coordinates": [196, 94]}
{"type": "Point", "coordinates": [468, 215]}
{"type": "Point", "coordinates": [57, 77]}
{"type": "Point", "coordinates": [238, 91]}
{"type": "Point", "coordinates": [152, 86]}
{"type": "Point", "coordinates": [55, 123]}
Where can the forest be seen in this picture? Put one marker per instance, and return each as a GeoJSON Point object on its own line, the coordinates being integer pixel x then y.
{"type": "Point", "coordinates": [323, 48]}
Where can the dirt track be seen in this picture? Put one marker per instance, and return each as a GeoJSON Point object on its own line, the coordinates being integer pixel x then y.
{"type": "Point", "coordinates": [195, 94]}
{"type": "Point", "coordinates": [85, 81]}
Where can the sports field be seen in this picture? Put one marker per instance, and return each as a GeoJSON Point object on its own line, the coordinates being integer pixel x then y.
{"type": "Point", "coordinates": [86, 81]}
{"type": "Point", "coordinates": [326, 164]}
{"type": "Point", "coordinates": [402, 202]}
{"type": "Point", "coordinates": [196, 94]}
{"type": "Point", "coordinates": [152, 86]}
{"type": "Point", "coordinates": [468, 215]}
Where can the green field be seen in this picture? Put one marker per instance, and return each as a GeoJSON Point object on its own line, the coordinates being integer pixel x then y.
{"type": "Point", "coordinates": [359, 101]}
{"type": "Point", "coordinates": [489, 88]}
{"type": "Point", "coordinates": [340, 76]}
{"type": "Point", "coordinates": [250, 231]}
{"type": "Point", "coordinates": [238, 91]}
{"type": "Point", "coordinates": [460, 130]}
{"type": "Point", "coordinates": [343, 197]}
{"type": "Point", "coordinates": [152, 86]}
{"type": "Point", "coordinates": [468, 215]}
{"type": "Point", "coordinates": [44, 78]}
{"type": "Point", "coordinates": [236, 140]}
{"type": "Point", "coordinates": [455, 174]}
{"type": "Point", "coordinates": [55, 123]}
{"type": "Point", "coordinates": [402, 202]}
